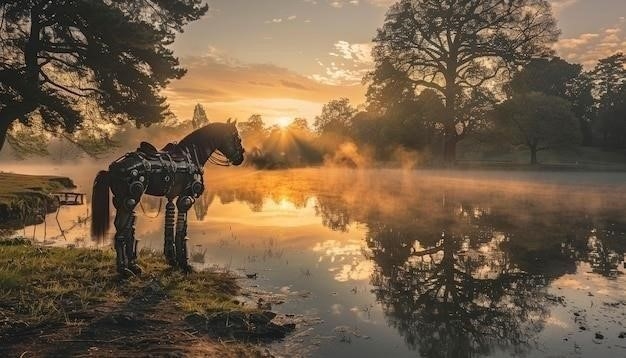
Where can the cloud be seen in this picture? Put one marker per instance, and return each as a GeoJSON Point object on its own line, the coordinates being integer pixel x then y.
{"type": "Point", "coordinates": [342, 3]}
{"type": "Point", "coordinates": [576, 42]}
{"type": "Point", "coordinates": [360, 53]}
{"type": "Point", "coordinates": [560, 5]}
{"type": "Point", "coordinates": [279, 20]}
{"type": "Point", "coordinates": [588, 48]}
{"type": "Point", "coordinates": [227, 87]}
{"type": "Point", "coordinates": [294, 85]}
{"type": "Point", "coordinates": [347, 64]}
{"type": "Point", "coordinates": [382, 3]}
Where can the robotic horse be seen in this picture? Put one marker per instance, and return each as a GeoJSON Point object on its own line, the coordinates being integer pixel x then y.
{"type": "Point", "coordinates": [174, 172]}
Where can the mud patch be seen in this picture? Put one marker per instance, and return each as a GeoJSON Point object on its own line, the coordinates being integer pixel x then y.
{"type": "Point", "coordinates": [249, 327]}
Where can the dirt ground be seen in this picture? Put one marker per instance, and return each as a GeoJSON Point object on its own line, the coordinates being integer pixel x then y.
{"type": "Point", "coordinates": [52, 309]}
{"type": "Point", "coordinates": [148, 325]}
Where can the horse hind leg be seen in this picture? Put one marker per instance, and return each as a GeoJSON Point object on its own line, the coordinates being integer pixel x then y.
{"type": "Point", "coordinates": [169, 248]}
{"type": "Point", "coordinates": [183, 204]}
{"type": "Point", "coordinates": [125, 242]}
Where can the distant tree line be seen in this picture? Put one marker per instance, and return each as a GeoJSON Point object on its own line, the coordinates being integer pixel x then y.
{"type": "Point", "coordinates": [448, 71]}
{"type": "Point", "coordinates": [273, 147]}
{"type": "Point", "coordinates": [547, 103]}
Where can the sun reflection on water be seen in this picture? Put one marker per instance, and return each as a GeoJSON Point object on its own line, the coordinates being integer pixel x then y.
{"type": "Point", "coordinates": [416, 259]}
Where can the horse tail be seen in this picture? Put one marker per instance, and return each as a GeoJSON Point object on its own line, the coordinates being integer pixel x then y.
{"type": "Point", "coordinates": [100, 206]}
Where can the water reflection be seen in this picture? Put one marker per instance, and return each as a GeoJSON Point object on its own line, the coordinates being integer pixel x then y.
{"type": "Point", "coordinates": [460, 267]}
{"type": "Point", "coordinates": [451, 301]}
{"type": "Point", "coordinates": [437, 264]}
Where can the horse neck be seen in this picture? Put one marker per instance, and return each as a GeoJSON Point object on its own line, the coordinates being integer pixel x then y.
{"type": "Point", "coordinates": [199, 145]}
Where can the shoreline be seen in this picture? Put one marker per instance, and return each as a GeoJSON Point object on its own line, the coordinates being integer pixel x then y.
{"type": "Point", "coordinates": [73, 295]}
{"type": "Point", "coordinates": [26, 199]}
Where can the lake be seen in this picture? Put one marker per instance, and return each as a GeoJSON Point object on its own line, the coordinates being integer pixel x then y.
{"type": "Point", "coordinates": [415, 263]}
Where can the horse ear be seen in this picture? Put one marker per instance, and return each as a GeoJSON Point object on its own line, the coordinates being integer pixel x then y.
{"type": "Point", "coordinates": [228, 121]}
{"type": "Point", "coordinates": [235, 122]}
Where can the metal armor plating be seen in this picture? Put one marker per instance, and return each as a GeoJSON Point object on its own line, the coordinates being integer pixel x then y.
{"type": "Point", "coordinates": [147, 171]}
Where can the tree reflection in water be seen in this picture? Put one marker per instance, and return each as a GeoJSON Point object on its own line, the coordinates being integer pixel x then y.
{"type": "Point", "coordinates": [450, 302]}
{"type": "Point", "coordinates": [201, 206]}
{"type": "Point", "coordinates": [461, 267]}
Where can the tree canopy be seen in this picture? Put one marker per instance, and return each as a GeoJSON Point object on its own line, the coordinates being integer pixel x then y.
{"type": "Point", "coordinates": [199, 117]}
{"type": "Point", "coordinates": [254, 129]}
{"type": "Point", "coordinates": [336, 117]}
{"type": "Point", "coordinates": [59, 56]}
{"type": "Point", "coordinates": [551, 76]}
{"type": "Point", "coordinates": [609, 83]}
{"type": "Point", "coordinates": [538, 122]}
{"type": "Point", "coordinates": [299, 125]}
{"type": "Point", "coordinates": [458, 48]}
{"type": "Point", "coordinates": [557, 77]}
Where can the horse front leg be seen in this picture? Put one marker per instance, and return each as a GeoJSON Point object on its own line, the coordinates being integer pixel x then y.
{"type": "Point", "coordinates": [169, 249]}
{"type": "Point", "coordinates": [125, 243]}
{"type": "Point", "coordinates": [183, 204]}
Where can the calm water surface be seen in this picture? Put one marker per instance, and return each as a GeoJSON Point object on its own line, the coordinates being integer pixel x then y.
{"type": "Point", "coordinates": [419, 263]}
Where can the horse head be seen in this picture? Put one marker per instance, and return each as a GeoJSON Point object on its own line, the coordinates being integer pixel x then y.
{"type": "Point", "coordinates": [221, 137]}
{"type": "Point", "coordinates": [229, 143]}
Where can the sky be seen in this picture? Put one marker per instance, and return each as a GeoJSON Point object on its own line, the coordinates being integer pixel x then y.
{"type": "Point", "coordinates": [286, 58]}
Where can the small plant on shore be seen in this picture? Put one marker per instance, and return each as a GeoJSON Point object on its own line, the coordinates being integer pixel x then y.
{"type": "Point", "coordinates": [198, 255]}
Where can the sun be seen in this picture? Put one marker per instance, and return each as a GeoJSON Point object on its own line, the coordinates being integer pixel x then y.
{"type": "Point", "coordinates": [283, 122]}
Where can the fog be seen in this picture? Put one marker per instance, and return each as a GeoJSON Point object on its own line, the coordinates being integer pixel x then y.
{"type": "Point", "coordinates": [399, 254]}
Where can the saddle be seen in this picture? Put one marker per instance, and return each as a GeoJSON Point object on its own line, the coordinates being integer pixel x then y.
{"type": "Point", "coordinates": [152, 152]}
{"type": "Point", "coordinates": [147, 148]}
{"type": "Point", "coordinates": [168, 154]}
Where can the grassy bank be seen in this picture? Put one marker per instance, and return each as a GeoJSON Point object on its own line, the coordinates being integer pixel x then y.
{"type": "Point", "coordinates": [25, 199]}
{"type": "Point", "coordinates": [74, 296]}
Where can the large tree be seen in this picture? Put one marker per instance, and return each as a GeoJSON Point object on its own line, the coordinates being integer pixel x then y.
{"type": "Point", "coordinates": [557, 77]}
{"type": "Point", "coordinates": [389, 89]}
{"type": "Point", "coordinates": [58, 57]}
{"type": "Point", "coordinates": [551, 76]}
{"type": "Point", "coordinates": [199, 118]}
{"type": "Point", "coordinates": [609, 79]}
{"type": "Point", "coordinates": [336, 117]}
{"type": "Point", "coordinates": [460, 47]}
{"type": "Point", "coordinates": [253, 130]}
{"type": "Point", "coordinates": [537, 122]}
{"type": "Point", "coordinates": [412, 122]}
{"type": "Point", "coordinates": [299, 125]}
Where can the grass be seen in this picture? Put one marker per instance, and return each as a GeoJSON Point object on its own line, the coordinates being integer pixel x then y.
{"type": "Point", "coordinates": [583, 158]}
{"type": "Point", "coordinates": [13, 186]}
{"type": "Point", "coordinates": [25, 199]}
{"type": "Point", "coordinates": [75, 296]}
{"type": "Point", "coordinates": [40, 284]}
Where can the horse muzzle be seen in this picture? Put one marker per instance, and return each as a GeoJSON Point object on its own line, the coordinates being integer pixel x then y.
{"type": "Point", "coordinates": [238, 160]}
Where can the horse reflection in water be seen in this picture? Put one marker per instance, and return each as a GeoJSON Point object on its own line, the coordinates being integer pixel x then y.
{"type": "Point", "coordinates": [175, 172]}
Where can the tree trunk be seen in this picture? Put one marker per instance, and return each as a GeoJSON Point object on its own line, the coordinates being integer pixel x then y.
{"type": "Point", "coordinates": [449, 149]}
{"type": "Point", "coordinates": [8, 115]}
{"type": "Point", "coordinates": [587, 135]}
{"type": "Point", "coordinates": [450, 134]}
{"type": "Point", "coordinates": [533, 155]}
{"type": "Point", "coordinates": [20, 109]}
{"type": "Point", "coordinates": [5, 123]}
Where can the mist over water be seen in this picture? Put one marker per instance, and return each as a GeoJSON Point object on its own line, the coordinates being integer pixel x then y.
{"type": "Point", "coordinates": [416, 263]}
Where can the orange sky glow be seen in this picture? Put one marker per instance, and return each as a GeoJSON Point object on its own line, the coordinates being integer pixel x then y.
{"type": "Point", "coordinates": [286, 58]}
